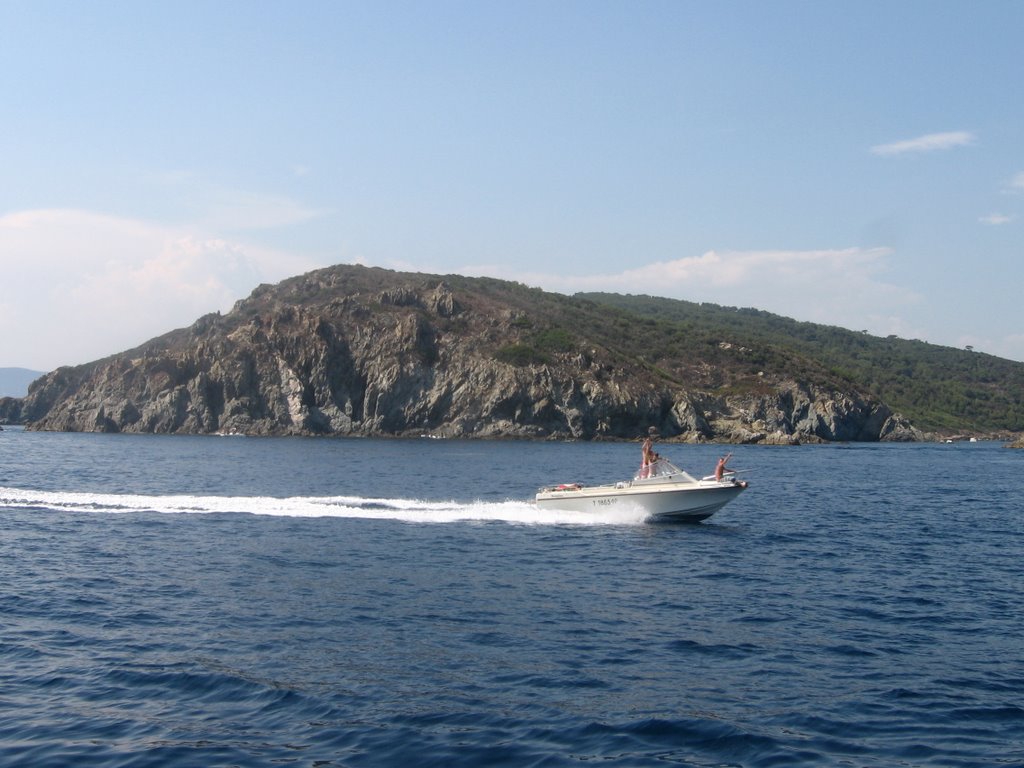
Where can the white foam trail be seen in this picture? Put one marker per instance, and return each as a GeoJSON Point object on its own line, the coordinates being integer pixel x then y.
{"type": "Point", "coordinates": [408, 510]}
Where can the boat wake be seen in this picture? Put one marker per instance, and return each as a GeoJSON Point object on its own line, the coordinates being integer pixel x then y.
{"type": "Point", "coordinates": [407, 510]}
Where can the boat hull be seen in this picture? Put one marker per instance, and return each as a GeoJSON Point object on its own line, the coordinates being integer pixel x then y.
{"type": "Point", "coordinates": [666, 503]}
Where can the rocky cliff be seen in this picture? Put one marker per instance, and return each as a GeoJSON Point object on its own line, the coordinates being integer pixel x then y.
{"type": "Point", "coordinates": [10, 410]}
{"type": "Point", "coordinates": [350, 350]}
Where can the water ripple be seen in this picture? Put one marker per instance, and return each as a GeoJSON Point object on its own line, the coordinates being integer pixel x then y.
{"type": "Point", "coordinates": [271, 603]}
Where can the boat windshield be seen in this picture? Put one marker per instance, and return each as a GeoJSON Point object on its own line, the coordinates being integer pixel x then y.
{"type": "Point", "coordinates": [660, 468]}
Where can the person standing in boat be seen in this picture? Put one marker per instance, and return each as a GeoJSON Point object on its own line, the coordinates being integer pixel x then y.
{"type": "Point", "coordinates": [647, 454]}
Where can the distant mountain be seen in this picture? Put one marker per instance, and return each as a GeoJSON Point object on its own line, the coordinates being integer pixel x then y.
{"type": "Point", "coordinates": [350, 350]}
{"type": "Point", "coordinates": [14, 381]}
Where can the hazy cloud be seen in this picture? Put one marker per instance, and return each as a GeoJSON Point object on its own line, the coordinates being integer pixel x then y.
{"type": "Point", "coordinates": [1017, 183]}
{"type": "Point", "coordinates": [833, 286]}
{"type": "Point", "coordinates": [89, 285]}
{"type": "Point", "coordinates": [234, 210]}
{"type": "Point", "coordinates": [928, 143]}
{"type": "Point", "coordinates": [995, 219]}
{"type": "Point", "coordinates": [223, 208]}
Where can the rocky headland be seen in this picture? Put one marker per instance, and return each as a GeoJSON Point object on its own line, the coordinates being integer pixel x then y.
{"type": "Point", "coordinates": [350, 350]}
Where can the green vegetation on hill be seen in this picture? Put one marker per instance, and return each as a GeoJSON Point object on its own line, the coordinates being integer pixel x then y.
{"type": "Point", "coordinates": [937, 388]}
{"type": "Point", "coordinates": [551, 323]}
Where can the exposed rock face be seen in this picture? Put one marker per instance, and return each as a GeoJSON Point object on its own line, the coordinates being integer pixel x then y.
{"type": "Point", "coordinates": [10, 410]}
{"type": "Point", "coordinates": [804, 413]}
{"type": "Point", "coordinates": [1018, 443]}
{"type": "Point", "coordinates": [355, 351]}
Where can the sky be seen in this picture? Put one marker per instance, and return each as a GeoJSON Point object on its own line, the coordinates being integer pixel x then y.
{"type": "Point", "coordinates": [853, 164]}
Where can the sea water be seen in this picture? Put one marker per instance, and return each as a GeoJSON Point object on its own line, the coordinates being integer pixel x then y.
{"type": "Point", "coordinates": [206, 601]}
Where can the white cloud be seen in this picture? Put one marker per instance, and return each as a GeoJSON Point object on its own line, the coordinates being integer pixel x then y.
{"type": "Point", "coordinates": [222, 208]}
{"type": "Point", "coordinates": [928, 143]}
{"type": "Point", "coordinates": [81, 285]}
{"type": "Point", "coordinates": [1009, 346]}
{"type": "Point", "coordinates": [1017, 183]}
{"type": "Point", "coordinates": [234, 210]}
{"type": "Point", "coordinates": [831, 286]}
{"type": "Point", "coordinates": [995, 219]}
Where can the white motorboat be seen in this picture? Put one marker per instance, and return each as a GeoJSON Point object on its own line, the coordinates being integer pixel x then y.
{"type": "Point", "coordinates": [662, 490]}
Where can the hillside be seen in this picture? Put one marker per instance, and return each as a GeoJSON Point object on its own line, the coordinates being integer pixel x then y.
{"type": "Point", "coordinates": [351, 350]}
{"type": "Point", "coordinates": [938, 388]}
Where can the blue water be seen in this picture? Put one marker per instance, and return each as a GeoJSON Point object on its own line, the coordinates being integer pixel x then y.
{"type": "Point", "coordinates": [175, 601]}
